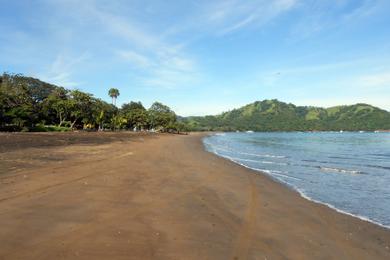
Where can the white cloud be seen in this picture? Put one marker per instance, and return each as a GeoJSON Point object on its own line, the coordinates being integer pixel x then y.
{"type": "Point", "coordinates": [126, 29]}
{"type": "Point", "coordinates": [319, 16]}
{"type": "Point", "coordinates": [61, 70]}
{"type": "Point", "coordinates": [230, 16]}
{"type": "Point", "coordinates": [159, 62]}
{"type": "Point", "coordinates": [164, 63]}
{"type": "Point", "coordinates": [162, 70]}
{"type": "Point", "coordinates": [135, 58]}
{"type": "Point", "coordinates": [366, 9]}
{"type": "Point", "coordinates": [171, 73]}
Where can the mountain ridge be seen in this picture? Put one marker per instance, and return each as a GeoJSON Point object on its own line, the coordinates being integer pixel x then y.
{"type": "Point", "coordinates": [275, 115]}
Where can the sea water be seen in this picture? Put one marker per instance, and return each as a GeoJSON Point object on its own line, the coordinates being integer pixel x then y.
{"type": "Point", "coordinates": [347, 171]}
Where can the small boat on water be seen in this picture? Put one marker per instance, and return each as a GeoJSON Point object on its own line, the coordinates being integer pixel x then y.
{"type": "Point", "coordinates": [250, 132]}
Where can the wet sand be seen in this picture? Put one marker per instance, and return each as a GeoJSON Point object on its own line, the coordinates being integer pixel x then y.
{"type": "Point", "coordinates": [132, 196]}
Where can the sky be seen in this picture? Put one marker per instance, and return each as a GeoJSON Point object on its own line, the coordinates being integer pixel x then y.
{"type": "Point", "coordinates": [204, 57]}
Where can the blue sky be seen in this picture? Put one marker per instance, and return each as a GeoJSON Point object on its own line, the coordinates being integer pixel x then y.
{"type": "Point", "coordinates": [204, 57]}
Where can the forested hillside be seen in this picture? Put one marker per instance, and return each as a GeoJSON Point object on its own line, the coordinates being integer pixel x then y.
{"type": "Point", "coordinates": [273, 115]}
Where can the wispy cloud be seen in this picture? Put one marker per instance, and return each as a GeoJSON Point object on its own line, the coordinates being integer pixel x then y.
{"type": "Point", "coordinates": [159, 62]}
{"type": "Point", "coordinates": [61, 70]}
{"type": "Point", "coordinates": [169, 72]}
{"type": "Point", "coordinates": [230, 16]}
{"type": "Point", "coordinates": [162, 69]}
{"type": "Point", "coordinates": [318, 16]}
{"type": "Point", "coordinates": [137, 59]}
{"type": "Point", "coordinates": [366, 9]}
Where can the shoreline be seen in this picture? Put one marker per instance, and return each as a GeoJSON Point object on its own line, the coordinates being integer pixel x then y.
{"type": "Point", "coordinates": [303, 195]}
{"type": "Point", "coordinates": [297, 190]}
{"type": "Point", "coordinates": [160, 196]}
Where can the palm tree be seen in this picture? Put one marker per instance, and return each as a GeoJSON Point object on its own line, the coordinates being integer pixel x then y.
{"type": "Point", "coordinates": [113, 93]}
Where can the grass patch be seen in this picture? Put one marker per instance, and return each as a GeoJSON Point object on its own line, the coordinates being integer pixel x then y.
{"type": "Point", "coordinates": [49, 128]}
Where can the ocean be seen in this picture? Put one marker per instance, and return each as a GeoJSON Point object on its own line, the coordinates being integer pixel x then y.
{"type": "Point", "coordinates": [347, 171]}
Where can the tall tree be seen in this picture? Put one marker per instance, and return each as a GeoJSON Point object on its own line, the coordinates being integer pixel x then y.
{"type": "Point", "coordinates": [58, 101]}
{"type": "Point", "coordinates": [161, 116]}
{"type": "Point", "coordinates": [113, 93]}
{"type": "Point", "coordinates": [81, 104]}
{"type": "Point", "coordinates": [136, 115]}
{"type": "Point", "coordinates": [16, 102]}
{"type": "Point", "coordinates": [103, 113]}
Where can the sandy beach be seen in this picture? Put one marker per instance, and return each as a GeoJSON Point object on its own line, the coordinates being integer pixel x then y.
{"type": "Point", "coordinates": [159, 196]}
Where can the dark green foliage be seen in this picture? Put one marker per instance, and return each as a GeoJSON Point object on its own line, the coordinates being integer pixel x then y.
{"type": "Point", "coordinates": [17, 105]}
{"type": "Point", "coordinates": [28, 104]}
{"type": "Point", "coordinates": [132, 106]}
{"type": "Point", "coordinates": [136, 115]}
{"type": "Point", "coordinates": [161, 116]}
{"type": "Point", "coordinates": [102, 113]}
{"type": "Point", "coordinates": [273, 115]}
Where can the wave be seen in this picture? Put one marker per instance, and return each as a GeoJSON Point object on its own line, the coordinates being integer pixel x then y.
{"type": "Point", "coordinates": [330, 169]}
{"type": "Point", "coordinates": [256, 161]}
{"type": "Point", "coordinates": [350, 163]}
{"type": "Point", "coordinates": [214, 146]}
{"type": "Point", "coordinates": [364, 218]}
{"type": "Point", "coordinates": [263, 155]}
{"type": "Point", "coordinates": [270, 172]}
{"type": "Point", "coordinates": [285, 176]}
{"type": "Point", "coordinates": [277, 163]}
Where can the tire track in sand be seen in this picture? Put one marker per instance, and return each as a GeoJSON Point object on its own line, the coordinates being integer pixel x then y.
{"type": "Point", "coordinates": [244, 239]}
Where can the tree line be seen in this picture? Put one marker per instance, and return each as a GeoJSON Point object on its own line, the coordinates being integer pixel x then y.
{"type": "Point", "coordinates": [29, 104]}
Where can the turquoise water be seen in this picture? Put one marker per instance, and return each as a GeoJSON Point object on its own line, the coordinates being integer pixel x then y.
{"type": "Point", "coordinates": [346, 171]}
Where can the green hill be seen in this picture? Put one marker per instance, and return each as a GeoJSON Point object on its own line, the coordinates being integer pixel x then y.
{"type": "Point", "coordinates": [273, 115]}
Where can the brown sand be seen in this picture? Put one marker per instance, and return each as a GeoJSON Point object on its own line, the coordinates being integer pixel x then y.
{"type": "Point", "coordinates": [127, 196]}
